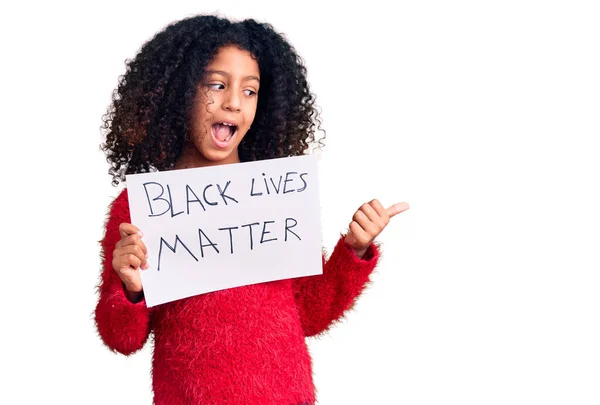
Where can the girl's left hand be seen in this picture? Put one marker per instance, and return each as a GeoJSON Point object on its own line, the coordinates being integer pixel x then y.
{"type": "Point", "coordinates": [368, 222]}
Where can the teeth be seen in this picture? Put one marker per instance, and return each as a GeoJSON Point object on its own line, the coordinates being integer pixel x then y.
{"type": "Point", "coordinates": [229, 125]}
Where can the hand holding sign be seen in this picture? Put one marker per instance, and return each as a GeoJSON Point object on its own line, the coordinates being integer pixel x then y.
{"type": "Point", "coordinates": [129, 257]}
{"type": "Point", "coordinates": [368, 222]}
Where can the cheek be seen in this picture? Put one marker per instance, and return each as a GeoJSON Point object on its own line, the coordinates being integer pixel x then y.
{"type": "Point", "coordinates": [201, 115]}
{"type": "Point", "coordinates": [205, 105]}
{"type": "Point", "coordinates": [251, 111]}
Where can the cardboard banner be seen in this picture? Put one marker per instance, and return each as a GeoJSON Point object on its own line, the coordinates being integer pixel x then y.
{"type": "Point", "coordinates": [213, 228]}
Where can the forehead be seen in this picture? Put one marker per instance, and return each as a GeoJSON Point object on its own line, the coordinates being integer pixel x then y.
{"type": "Point", "coordinates": [234, 60]}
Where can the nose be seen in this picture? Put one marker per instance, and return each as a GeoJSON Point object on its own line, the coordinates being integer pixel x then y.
{"type": "Point", "coordinates": [232, 100]}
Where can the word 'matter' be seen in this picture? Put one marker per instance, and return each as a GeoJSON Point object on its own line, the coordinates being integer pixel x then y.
{"type": "Point", "coordinates": [266, 235]}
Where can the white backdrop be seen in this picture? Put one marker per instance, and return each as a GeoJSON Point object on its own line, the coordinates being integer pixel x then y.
{"type": "Point", "coordinates": [482, 115]}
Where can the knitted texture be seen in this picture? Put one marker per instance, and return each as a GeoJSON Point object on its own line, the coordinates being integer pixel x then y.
{"type": "Point", "coordinates": [244, 345]}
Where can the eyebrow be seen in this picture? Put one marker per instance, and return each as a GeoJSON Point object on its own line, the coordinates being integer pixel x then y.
{"type": "Point", "coordinates": [223, 73]}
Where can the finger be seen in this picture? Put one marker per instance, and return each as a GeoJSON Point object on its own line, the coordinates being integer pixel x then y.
{"type": "Point", "coordinates": [365, 223]}
{"type": "Point", "coordinates": [369, 212]}
{"type": "Point", "coordinates": [126, 229]}
{"type": "Point", "coordinates": [382, 212]}
{"type": "Point", "coordinates": [132, 240]}
{"type": "Point", "coordinates": [397, 209]}
{"type": "Point", "coordinates": [126, 261]}
{"type": "Point", "coordinates": [134, 250]}
{"type": "Point", "coordinates": [358, 234]}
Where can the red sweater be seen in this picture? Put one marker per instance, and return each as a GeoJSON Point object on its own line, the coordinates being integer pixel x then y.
{"type": "Point", "coordinates": [238, 346]}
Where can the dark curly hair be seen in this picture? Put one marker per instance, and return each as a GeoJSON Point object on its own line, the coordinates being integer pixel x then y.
{"type": "Point", "coordinates": [147, 123]}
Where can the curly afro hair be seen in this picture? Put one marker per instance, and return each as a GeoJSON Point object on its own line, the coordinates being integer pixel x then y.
{"type": "Point", "coordinates": [147, 123]}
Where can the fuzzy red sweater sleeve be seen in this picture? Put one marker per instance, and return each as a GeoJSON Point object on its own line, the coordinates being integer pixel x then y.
{"type": "Point", "coordinates": [323, 299]}
{"type": "Point", "coordinates": [123, 326]}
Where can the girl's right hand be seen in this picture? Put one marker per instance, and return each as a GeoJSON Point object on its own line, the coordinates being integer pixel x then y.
{"type": "Point", "coordinates": [129, 256]}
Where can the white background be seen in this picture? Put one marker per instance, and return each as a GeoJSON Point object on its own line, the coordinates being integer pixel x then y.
{"type": "Point", "coordinates": [483, 115]}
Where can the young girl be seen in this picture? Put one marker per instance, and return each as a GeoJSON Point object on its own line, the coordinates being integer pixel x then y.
{"type": "Point", "coordinates": [206, 91]}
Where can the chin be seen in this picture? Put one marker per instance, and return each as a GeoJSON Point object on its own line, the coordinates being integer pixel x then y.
{"type": "Point", "coordinates": [222, 156]}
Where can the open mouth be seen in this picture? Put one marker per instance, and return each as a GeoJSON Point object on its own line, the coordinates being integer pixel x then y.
{"type": "Point", "coordinates": [223, 133]}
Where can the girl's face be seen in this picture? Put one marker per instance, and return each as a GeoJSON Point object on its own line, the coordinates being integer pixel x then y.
{"type": "Point", "coordinates": [224, 107]}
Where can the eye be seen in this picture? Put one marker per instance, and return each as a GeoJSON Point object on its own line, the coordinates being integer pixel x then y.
{"type": "Point", "coordinates": [215, 86]}
{"type": "Point", "coordinates": [249, 92]}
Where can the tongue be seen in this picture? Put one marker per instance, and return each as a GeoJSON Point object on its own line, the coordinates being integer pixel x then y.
{"type": "Point", "coordinates": [221, 132]}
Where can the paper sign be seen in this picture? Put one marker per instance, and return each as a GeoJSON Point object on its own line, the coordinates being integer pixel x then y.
{"type": "Point", "coordinates": [213, 228]}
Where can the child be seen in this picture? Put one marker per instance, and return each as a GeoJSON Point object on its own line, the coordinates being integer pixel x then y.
{"type": "Point", "coordinates": [206, 91]}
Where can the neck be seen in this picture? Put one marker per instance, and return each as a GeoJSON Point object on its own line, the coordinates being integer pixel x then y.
{"type": "Point", "coordinates": [191, 158]}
